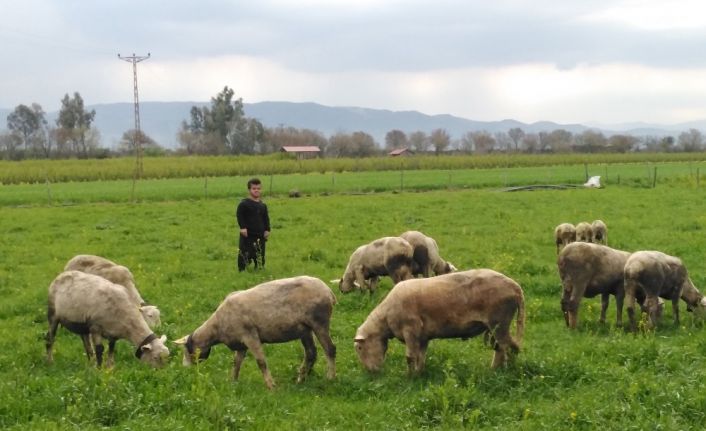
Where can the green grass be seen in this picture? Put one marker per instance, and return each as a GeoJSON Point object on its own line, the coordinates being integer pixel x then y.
{"type": "Point", "coordinates": [182, 252]}
{"type": "Point", "coordinates": [54, 171]}
{"type": "Point", "coordinates": [169, 189]}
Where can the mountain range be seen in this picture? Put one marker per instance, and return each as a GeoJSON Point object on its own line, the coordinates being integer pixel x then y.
{"type": "Point", "coordinates": [162, 120]}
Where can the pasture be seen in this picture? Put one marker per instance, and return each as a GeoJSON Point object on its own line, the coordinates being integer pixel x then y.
{"type": "Point", "coordinates": [182, 252]}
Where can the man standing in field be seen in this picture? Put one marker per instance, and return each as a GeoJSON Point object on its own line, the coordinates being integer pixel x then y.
{"type": "Point", "coordinates": [254, 223]}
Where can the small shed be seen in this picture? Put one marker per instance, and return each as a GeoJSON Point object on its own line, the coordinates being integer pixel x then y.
{"type": "Point", "coordinates": [400, 152]}
{"type": "Point", "coordinates": [304, 151]}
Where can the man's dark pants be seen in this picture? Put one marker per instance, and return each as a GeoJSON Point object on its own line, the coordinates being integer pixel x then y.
{"type": "Point", "coordinates": [251, 249]}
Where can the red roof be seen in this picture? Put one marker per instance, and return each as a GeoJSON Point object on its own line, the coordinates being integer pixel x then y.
{"type": "Point", "coordinates": [399, 151]}
{"type": "Point", "coordinates": [301, 149]}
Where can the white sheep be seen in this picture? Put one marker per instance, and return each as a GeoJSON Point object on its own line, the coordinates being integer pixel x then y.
{"type": "Point", "coordinates": [584, 232]}
{"type": "Point", "coordinates": [653, 274]}
{"type": "Point", "coordinates": [457, 305]}
{"type": "Point", "coordinates": [600, 232]}
{"type": "Point", "coordinates": [426, 255]}
{"type": "Point", "coordinates": [94, 308]}
{"type": "Point", "coordinates": [271, 312]}
{"type": "Point", "coordinates": [118, 274]}
{"type": "Point", "coordinates": [390, 255]}
{"type": "Point", "coordinates": [564, 234]}
{"type": "Point", "coordinates": [587, 270]}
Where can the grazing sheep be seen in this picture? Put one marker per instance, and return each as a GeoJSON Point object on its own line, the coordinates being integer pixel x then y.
{"type": "Point", "coordinates": [118, 274]}
{"type": "Point", "coordinates": [95, 308]}
{"type": "Point", "coordinates": [584, 232]}
{"type": "Point", "coordinates": [653, 274]}
{"type": "Point", "coordinates": [600, 232]}
{"type": "Point", "coordinates": [587, 270]}
{"type": "Point", "coordinates": [457, 305]}
{"type": "Point", "coordinates": [273, 312]}
{"type": "Point", "coordinates": [564, 234]}
{"type": "Point", "coordinates": [426, 255]}
{"type": "Point", "coordinates": [389, 255]}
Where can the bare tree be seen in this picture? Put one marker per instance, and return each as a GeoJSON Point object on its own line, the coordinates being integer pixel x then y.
{"type": "Point", "coordinates": [590, 141]}
{"type": "Point", "coordinates": [503, 142]}
{"type": "Point", "coordinates": [466, 143]}
{"type": "Point", "coordinates": [530, 143]}
{"type": "Point", "coordinates": [395, 139]}
{"type": "Point", "coordinates": [419, 141]}
{"type": "Point", "coordinates": [440, 140]}
{"type": "Point", "coordinates": [9, 143]}
{"type": "Point", "coordinates": [483, 142]}
{"type": "Point", "coordinates": [691, 141]}
{"type": "Point", "coordinates": [149, 145]}
{"type": "Point", "coordinates": [622, 143]}
{"type": "Point", "coordinates": [516, 134]}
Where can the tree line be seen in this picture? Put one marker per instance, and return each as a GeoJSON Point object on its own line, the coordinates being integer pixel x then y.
{"type": "Point", "coordinates": [222, 128]}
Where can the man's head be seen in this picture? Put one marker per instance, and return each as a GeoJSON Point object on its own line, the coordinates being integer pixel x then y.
{"type": "Point", "coordinates": [254, 188]}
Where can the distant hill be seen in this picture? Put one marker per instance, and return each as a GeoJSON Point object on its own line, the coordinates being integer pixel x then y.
{"type": "Point", "coordinates": [162, 120]}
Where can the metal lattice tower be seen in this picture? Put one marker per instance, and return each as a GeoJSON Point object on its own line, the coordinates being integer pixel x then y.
{"type": "Point", "coordinates": [137, 137]}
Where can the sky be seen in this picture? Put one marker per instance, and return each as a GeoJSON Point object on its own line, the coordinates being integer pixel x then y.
{"type": "Point", "coordinates": [569, 61]}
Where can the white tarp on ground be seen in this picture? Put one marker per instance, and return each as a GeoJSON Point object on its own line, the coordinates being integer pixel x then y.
{"type": "Point", "coordinates": [594, 182]}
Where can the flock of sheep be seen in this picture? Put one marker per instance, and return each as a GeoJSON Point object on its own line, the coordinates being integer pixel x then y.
{"type": "Point", "coordinates": [588, 268]}
{"type": "Point", "coordinates": [97, 299]}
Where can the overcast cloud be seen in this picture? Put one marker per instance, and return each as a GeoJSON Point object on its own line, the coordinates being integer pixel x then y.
{"type": "Point", "coordinates": [567, 61]}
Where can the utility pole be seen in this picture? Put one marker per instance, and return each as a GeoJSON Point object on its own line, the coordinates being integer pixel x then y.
{"type": "Point", "coordinates": [137, 137]}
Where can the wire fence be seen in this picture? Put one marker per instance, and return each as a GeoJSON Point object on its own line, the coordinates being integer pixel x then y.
{"type": "Point", "coordinates": [644, 175]}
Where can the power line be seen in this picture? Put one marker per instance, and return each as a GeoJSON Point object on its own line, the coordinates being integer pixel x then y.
{"type": "Point", "coordinates": [137, 136]}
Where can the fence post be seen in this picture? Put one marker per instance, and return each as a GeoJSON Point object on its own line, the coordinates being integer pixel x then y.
{"type": "Point", "coordinates": [333, 182]}
{"type": "Point", "coordinates": [654, 178]}
{"type": "Point", "coordinates": [585, 169]}
{"type": "Point", "coordinates": [606, 174]}
{"type": "Point", "coordinates": [46, 179]}
{"type": "Point", "coordinates": [402, 180]}
{"type": "Point", "coordinates": [698, 176]}
{"type": "Point", "coordinates": [271, 176]}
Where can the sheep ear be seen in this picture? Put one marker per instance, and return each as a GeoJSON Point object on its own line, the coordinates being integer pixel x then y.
{"type": "Point", "coordinates": [452, 267]}
{"type": "Point", "coordinates": [182, 340]}
{"type": "Point", "coordinates": [163, 339]}
{"type": "Point", "coordinates": [359, 339]}
{"type": "Point", "coordinates": [355, 283]}
{"type": "Point", "coordinates": [703, 301]}
{"type": "Point", "coordinates": [146, 347]}
{"type": "Point", "coordinates": [335, 280]}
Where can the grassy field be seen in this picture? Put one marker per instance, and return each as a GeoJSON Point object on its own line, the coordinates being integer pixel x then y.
{"type": "Point", "coordinates": [684, 173]}
{"type": "Point", "coordinates": [57, 171]}
{"type": "Point", "coordinates": [182, 252]}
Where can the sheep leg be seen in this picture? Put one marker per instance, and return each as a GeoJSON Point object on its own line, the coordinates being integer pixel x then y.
{"type": "Point", "coordinates": [415, 348]}
{"type": "Point", "coordinates": [360, 278]}
{"type": "Point", "coordinates": [87, 346]}
{"type": "Point", "coordinates": [652, 306]}
{"type": "Point", "coordinates": [504, 346]}
{"type": "Point", "coordinates": [51, 334]}
{"type": "Point", "coordinates": [566, 301]}
{"type": "Point", "coordinates": [675, 309]}
{"type": "Point", "coordinates": [373, 283]}
{"type": "Point", "coordinates": [111, 353]}
{"type": "Point", "coordinates": [605, 302]}
{"type": "Point", "coordinates": [630, 295]}
{"type": "Point", "coordinates": [253, 343]}
{"type": "Point", "coordinates": [619, 299]}
{"type": "Point", "coordinates": [322, 334]}
{"type": "Point", "coordinates": [238, 358]}
{"type": "Point", "coordinates": [309, 356]}
{"type": "Point", "coordinates": [98, 343]}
